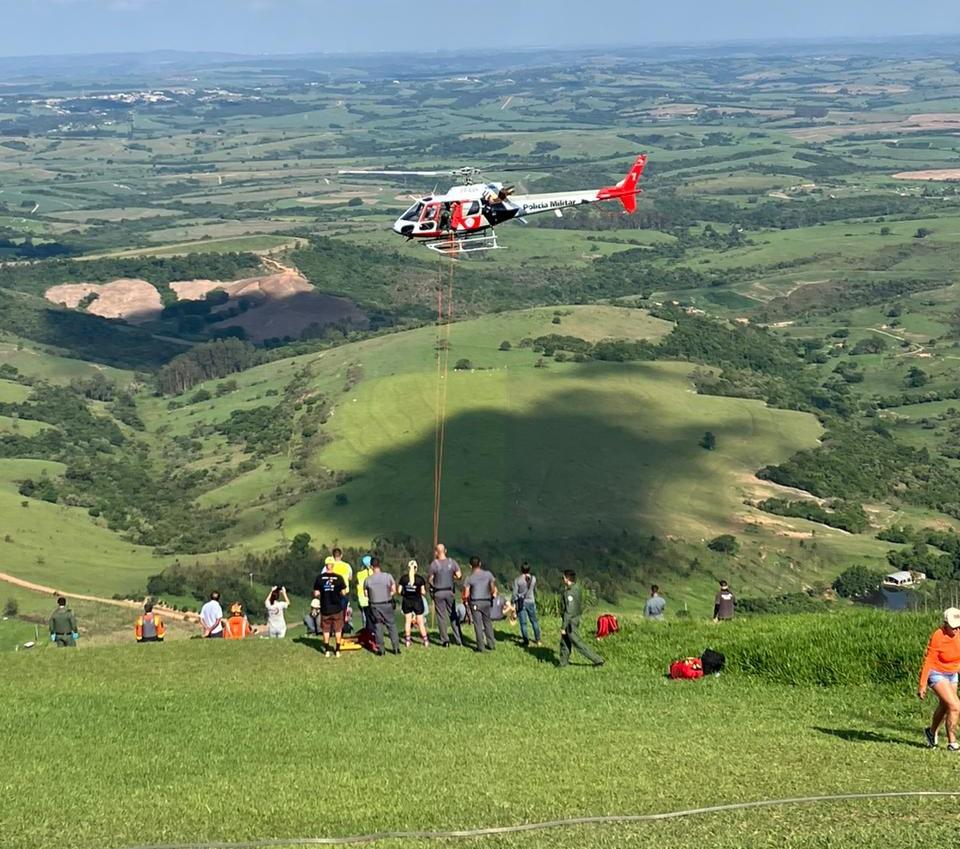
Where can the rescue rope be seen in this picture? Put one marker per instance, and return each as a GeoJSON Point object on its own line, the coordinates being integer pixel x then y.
{"type": "Point", "coordinates": [493, 831]}
{"type": "Point", "coordinates": [444, 320]}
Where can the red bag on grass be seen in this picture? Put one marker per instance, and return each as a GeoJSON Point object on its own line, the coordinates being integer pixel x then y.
{"type": "Point", "coordinates": [686, 668]}
{"type": "Point", "coordinates": [606, 625]}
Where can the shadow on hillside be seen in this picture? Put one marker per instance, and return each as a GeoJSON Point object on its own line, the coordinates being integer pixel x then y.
{"type": "Point", "coordinates": [594, 458]}
{"type": "Point", "coordinates": [859, 735]}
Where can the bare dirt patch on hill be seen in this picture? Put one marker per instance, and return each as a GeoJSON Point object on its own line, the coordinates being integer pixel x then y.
{"type": "Point", "coordinates": [133, 300]}
{"type": "Point", "coordinates": [946, 175]}
{"type": "Point", "coordinates": [283, 305]}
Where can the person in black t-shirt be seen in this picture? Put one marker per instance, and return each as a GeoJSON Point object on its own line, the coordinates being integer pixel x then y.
{"type": "Point", "coordinates": [332, 589]}
{"type": "Point", "coordinates": [413, 595]}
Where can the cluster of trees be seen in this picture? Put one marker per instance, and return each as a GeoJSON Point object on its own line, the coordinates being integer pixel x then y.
{"type": "Point", "coordinates": [207, 361]}
{"type": "Point", "coordinates": [857, 582]}
{"type": "Point", "coordinates": [261, 430]}
{"type": "Point", "coordinates": [110, 474]}
{"type": "Point", "coordinates": [845, 515]}
{"type": "Point", "coordinates": [77, 334]}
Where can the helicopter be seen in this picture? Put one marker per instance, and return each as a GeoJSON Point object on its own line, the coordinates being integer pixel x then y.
{"type": "Point", "coordinates": [463, 220]}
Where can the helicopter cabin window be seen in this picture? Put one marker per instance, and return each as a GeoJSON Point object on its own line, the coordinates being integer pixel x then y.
{"type": "Point", "coordinates": [474, 208]}
{"type": "Point", "coordinates": [412, 214]}
{"type": "Point", "coordinates": [431, 212]}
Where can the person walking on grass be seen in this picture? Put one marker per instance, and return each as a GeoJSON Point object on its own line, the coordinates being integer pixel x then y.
{"type": "Point", "coordinates": [572, 610]}
{"type": "Point", "coordinates": [381, 590]}
{"type": "Point", "coordinates": [724, 603]}
{"type": "Point", "coordinates": [413, 603]}
{"type": "Point", "coordinates": [655, 605]}
{"type": "Point", "coordinates": [941, 666]}
{"type": "Point", "coordinates": [525, 600]}
{"type": "Point", "coordinates": [481, 589]}
{"type": "Point", "coordinates": [277, 601]}
{"type": "Point", "coordinates": [333, 590]}
{"type": "Point", "coordinates": [149, 627]}
{"type": "Point", "coordinates": [442, 577]}
{"type": "Point", "coordinates": [63, 626]}
{"type": "Point", "coordinates": [211, 617]}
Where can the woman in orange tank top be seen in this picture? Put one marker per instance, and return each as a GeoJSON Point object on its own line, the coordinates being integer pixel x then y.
{"type": "Point", "coordinates": [941, 666]}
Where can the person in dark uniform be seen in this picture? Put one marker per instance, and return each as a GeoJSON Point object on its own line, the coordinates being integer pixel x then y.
{"type": "Point", "coordinates": [480, 589]}
{"type": "Point", "coordinates": [572, 610]}
{"type": "Point", "coordinates": [63, 626]}
{"type": "Point", "coordinates": [724, 603]}
{"type": "Point", "coordinates": [381, 589]}
{"type": "Point", "coordinates": [442, 577]}
{"type": "Point", "coordinates": [413, 598]}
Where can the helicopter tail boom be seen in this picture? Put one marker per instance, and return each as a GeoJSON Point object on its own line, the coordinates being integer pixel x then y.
{"type": "Point", "coordinates": [626, 190]}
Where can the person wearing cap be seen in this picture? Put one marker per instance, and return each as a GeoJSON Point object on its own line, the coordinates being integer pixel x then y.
{"type": "Point", "coordinates": [941, 667]}
{"type": "Point", "coordinates": [724, 603]}
{"type": "Point", "coordinates": [381, 589]}
{"type": "Point", "coordinates": [149, 628]}
{"type": "Point", "coordinates": [413, 603]}
{"type": "Point", "coordinates": [63, 626]}
{"type": "Point", "coordinates": [364, 572]}
{"type": "Point", "coordinates": [481, 588]}
{"type": "Point", "coordinates": [442, 577]}
{"type": "Point", "coordinates": [311, 619]}
{"type": "Point", "coordinates": [237, 627]}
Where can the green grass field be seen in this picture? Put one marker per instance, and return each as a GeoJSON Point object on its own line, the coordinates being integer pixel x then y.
{"type": "Point", "coordinates": [268, 740]}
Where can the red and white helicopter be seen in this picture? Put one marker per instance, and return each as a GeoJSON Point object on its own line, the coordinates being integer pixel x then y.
{"type": "Point", "coordinates": [463, 219]}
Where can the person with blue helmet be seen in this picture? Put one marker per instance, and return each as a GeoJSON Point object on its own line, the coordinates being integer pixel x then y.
{"type": "Point", "coordinates": [366, 570]}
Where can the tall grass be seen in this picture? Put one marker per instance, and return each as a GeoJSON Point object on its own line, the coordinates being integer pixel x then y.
{"type": "Point", "coordinates": [807, 649]}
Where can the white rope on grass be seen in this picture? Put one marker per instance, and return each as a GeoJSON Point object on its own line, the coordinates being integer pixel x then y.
{"type": "Point", "coordinates": [494, 831]}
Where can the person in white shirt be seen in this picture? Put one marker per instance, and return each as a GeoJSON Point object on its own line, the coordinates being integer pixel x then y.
{"type": "Point", "coordinates": [276, 624]}
{"type": "Point", "coordinates": [211, 617]}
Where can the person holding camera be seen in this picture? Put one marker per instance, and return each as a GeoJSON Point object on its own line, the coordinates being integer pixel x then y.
{"type": "Point", "coordinates": [276, 623]}
{"type": "Point", "coordinates": [381, 590]}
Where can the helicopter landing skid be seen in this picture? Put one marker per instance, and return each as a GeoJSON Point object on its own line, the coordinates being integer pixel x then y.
{"type": "Point", "coordinates": [456, 244]}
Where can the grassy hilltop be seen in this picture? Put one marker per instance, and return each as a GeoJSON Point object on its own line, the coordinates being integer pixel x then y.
{"type": "Point", "coordinates": [194, 741]}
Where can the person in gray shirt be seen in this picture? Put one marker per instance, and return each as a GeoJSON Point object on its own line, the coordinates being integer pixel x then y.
{"type": "Point", "coordinates": [381, 589]}
{"type": "Point", "coordinates": [442, 577]}
{"type": "Point", "coordinates": [524, 597]}
{"type": "Point", "coordinates": [481, 588]}
{"type": "Point", "coordinates": [653, 609]}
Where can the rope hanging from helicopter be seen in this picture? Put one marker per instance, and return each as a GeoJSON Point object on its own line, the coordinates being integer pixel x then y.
{"type": "Point", "coordinates": [442, 348]}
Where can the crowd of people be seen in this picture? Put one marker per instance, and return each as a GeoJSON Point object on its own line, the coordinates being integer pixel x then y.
{"type": "Point", "coordinates": [460, 598]}
{"type": "Point", "coordinates": [480, 604]}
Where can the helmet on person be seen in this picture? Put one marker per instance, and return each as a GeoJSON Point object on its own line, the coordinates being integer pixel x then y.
{"type": "Point", "coordinates": [366, 560]}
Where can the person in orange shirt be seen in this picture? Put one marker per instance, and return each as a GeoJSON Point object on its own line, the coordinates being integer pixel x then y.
{"type": "Point", "coordinates": [236, 627]}
{"type": "Point", "coordinates": [941, 666]}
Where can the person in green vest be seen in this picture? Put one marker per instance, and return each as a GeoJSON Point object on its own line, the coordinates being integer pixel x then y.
{"type": "Point", "coordinates": [572, 610]}
{"type": "Point", "coordinates": [63, 626]}
{"type": "Point", "coordinates": [366, 570]}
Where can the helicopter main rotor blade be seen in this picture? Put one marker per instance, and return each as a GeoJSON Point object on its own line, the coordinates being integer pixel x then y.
{"type": "Point", "coordinates": [398, 173]}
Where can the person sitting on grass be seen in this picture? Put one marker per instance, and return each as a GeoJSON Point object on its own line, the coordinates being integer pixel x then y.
{"type": "Point", "coordinates": [941, 666]}
{"type": "Point", "coordinates": [311, 619]}
{"type": "Point", "coordinates": [236, 627]}
{"type": "Point", "coordinates": [149, 628]}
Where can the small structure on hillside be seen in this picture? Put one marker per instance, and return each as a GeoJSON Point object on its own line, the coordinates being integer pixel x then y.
{"type": "Point", "coordinates": [902, 580]}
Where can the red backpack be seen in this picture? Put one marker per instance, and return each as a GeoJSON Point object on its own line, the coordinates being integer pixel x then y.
{"type": "Point", "coordinates": [687, 667]}
{"type": "Point", "coordinates": [606, 625]}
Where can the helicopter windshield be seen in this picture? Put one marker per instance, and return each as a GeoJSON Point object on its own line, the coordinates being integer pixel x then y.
{"type": "Point", "coordinates": [413, 214]}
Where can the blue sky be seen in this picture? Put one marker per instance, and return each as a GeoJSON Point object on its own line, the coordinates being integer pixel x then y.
{"type": "Point", "coordinates": [295, 26]}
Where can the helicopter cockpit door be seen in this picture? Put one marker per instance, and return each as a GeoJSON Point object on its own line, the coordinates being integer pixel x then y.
{"type": "Point", "coordinates": [429, 218]}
